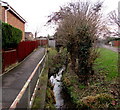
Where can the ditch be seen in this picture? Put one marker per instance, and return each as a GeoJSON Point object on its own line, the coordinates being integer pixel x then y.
{"type": "Point", "coordinates": [62, 99]}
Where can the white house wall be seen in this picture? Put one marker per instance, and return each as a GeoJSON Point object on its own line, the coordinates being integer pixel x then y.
{"type": "Point", "coordinates": [51, 43]}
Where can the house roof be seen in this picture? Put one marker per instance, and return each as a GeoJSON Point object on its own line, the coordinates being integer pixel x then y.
{"type": "Point", "coordinates": [28, 32]}
{"type": "Point", "coordinates": [6, 5]}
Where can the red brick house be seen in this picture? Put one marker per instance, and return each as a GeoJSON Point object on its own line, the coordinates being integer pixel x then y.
{"type": "Point", "coordinates": [10, 16]}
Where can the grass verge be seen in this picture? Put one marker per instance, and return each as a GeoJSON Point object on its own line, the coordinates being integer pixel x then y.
{"type": "Point", "coordinates": [107, 63]}
{"type": "Point", "coordinates": [102, 90]}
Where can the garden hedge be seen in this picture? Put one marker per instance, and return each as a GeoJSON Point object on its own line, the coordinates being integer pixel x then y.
{"type": "Point", "coordinates": [11, 36]}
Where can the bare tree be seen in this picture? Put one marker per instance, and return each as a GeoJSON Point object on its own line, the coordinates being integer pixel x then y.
{"type": "Point", "coordinates": [114, 20]}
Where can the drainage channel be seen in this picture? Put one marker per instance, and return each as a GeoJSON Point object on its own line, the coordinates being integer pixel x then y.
{"type": "Point", "coordinates": [62, 99]}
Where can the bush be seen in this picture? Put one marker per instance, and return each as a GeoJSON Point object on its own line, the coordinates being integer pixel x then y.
{"type": "Point", "coordinates": [50, 98]}
{"type": "Point", "coordinates": [11, 36]}
{"type": "Point", "coordinates": [57, 60]}
{"type": "Point", "coordinates": [99, 101]}
{"type": "Point", "coordinates": [79, 27]}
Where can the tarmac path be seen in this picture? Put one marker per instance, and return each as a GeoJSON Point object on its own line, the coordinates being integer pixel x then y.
{"type": "Point", "coordinates": [115, 49]}
{"type": "Point", "coordinates": [14, 80]}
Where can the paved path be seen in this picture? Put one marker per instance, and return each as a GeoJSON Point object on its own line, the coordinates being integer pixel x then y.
{"type": "Point", "coordinates": [13, 81]}
{"type": "Point", "coordinates": [115, 49]}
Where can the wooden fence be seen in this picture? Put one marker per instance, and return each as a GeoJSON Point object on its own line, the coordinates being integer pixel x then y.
{"type": "Point", "coordinates": [23, 50]}
{"type": "Point", "coordinates": [116, 43]}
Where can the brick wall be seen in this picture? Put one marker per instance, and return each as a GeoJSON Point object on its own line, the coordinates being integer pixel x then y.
{"type": "Point", "coordinates": [16, 22]}
{"type": "Point", "coordinates": [3, 14]}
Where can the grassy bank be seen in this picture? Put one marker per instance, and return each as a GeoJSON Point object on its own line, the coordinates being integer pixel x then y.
{"type": "Point", "coordinates": [50, 99]}
{"type": "Point", "coordinates": [102, 89]}
{"type": "Point", "coordinates": [45, 97]}
{"type": "Point", "coordinates": [39, 101]}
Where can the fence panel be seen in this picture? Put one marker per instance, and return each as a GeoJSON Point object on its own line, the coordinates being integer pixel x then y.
{"type": "Point", "coordinates": [116, 43]}
{"type": "Point", "coordinates": [43, 42]}
{"type": "Point", "coordinates": [9, 57]}
{"type": "Point", "coordinates": [21, 51]}
{"type": "Point", "coordinates": [25, 48]}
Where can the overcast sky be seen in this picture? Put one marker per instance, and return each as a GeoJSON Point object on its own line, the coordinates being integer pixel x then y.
{"type": "Point", "coordinates": [35, 12]}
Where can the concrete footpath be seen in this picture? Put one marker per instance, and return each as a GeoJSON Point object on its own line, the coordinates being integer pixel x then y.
{"type": "Point", "coordinates": [115, 49]}
{"type": "Point", "coordinates": [14, 80]}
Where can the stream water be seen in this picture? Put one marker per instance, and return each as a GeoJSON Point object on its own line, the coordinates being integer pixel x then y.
{"type": "Point", "coordinates": [62, 100]}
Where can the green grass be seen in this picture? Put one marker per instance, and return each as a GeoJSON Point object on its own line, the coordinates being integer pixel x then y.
{"type": "Point", "coordinates": [98, 92]}
{"type": "Point", "coordinates": [51, 55]}
{"type": "Point", "coordinates": [52, 52]}
{"type": "Point", "coordinates": [39, 101]}
{"type": "Point", "coordinates": [50, 99]}
{"type": "Point", "coordinates": [107, 63]}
